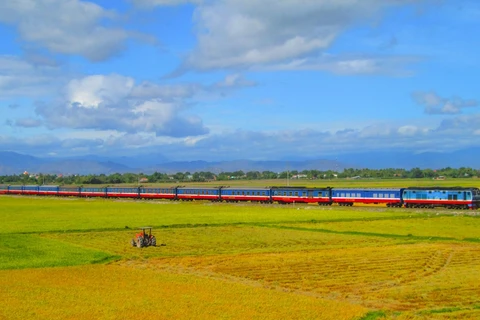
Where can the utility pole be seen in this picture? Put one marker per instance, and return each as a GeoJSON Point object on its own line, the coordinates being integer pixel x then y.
{"type": "Point", "coordinates": [288, 182]}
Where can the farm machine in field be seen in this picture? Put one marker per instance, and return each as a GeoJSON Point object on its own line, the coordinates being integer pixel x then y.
{"type": "Point", "coordinates": [144, 238]}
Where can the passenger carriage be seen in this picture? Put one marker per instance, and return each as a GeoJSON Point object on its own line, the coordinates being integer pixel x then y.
{"type": "Point", "coordinates": [93, 192]}
{"type": "Point", "coordinates": [188, 194]}
{"type": "Point", "coordinates": [157, 193]}
{"type": "Point", "coordinates": [116, 192]}
{"type": "Point", "coordinates": [349, 196]}
{"type": "Point", "coordinates": [236, 194]}
{"type": "Point", "coordinates": [48, 190]}
{"type": "Point", "coordinates": [69, 191]}
{"type": "Point", "coordinates": [15, 189]}
{"type": "Point", "coordinates": [3, 189]}
{"type": "Point", "coordinates": [30, 190]}
{"type": "Point", "coordinates": [301, 195]}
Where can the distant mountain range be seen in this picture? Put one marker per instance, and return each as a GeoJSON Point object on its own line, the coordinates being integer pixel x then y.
{"type": "Point", "coordinates": [15, 163]}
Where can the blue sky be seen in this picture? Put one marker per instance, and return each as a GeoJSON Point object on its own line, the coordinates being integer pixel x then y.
{"type": "Point", "coordinates": [238, 79]}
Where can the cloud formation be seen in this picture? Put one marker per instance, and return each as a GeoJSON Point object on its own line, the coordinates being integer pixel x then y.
{"type": "Point", "coordinates": [65, 26]}
{"type": "Point", "coordinates": [349, 64]}
{"type": "Point", "coordinates": [434, 104]}
{"type": "Point", "coordinates": [19, 78]}
{"type": "Point", "coordinates": [153, 3]}
{"type": "Point", "coordinates": [249, 33]}
{"type": "Point", "coordinates": [113, 102]}
{"type": "Point", "coordinates": [451, 134]}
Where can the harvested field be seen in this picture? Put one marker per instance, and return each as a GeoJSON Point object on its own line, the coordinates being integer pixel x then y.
{"type": "Point", "coordinates": [118, 292]}
{"type": "Point", "coordinates": [398, 277]}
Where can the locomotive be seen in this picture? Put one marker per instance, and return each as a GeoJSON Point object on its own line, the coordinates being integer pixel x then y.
{"type": "Point", "coordinates": [411, 197]}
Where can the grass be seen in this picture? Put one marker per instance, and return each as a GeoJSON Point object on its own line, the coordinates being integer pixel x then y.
{"type": "Point", "coordinates": [36, 214]}
{"type": "Point", "coordinates": [453, 227]}
{"type": "Point", "coordinates": [71, 258]}
{"type": "Point", "coordinates": [31, 251]}
{"type": "Point", "coordinates": [207, 241]}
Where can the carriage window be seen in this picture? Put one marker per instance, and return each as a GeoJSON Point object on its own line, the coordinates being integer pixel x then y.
{"type": "Point", "coordinates": [375, 195]}
{"type": "Point", "coordinates": [452, 197]}
{"type": "Point", "coordinates": [343, 194]}
{"type": "Point", "coordinates": [296, 193]}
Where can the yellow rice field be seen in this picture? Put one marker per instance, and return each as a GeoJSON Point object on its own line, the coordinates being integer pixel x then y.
{"type": "Point", "coordinates": [126, 292]}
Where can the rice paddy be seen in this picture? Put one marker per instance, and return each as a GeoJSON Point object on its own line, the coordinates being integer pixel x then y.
{"type": "Point", "coordinates": [71, 259]}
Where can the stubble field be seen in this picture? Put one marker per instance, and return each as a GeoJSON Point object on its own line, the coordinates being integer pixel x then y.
{"type": "Point", "coordinates": [71, 259]}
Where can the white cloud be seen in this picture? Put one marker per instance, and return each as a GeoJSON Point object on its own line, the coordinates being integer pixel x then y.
{"type": "Point", "coordinates": [434, 104]}
{"type": "Point", "coordinates": [250, 33]}
{"type": "Point", "coordinates": [91, 91]}
{"type": "Point", "coordinates": [454, 134]}
{"type": "Point", "coordinates": [113, 102]}
{"type": "Point", "coordinates": [234, 81]}
{"type": "Point", "coordinates": [407, 130]}
{"type": "Point", "coordinates": [65, 26]}
{"type": "Point", "coordinates": [149, 90]}
{"type": "Point", "coordinates": [348, 64]}
{"type": "Point", "coordinates": [28, 123]}
{"type": "Point", "coordinates": [153, 3]}
{"type": "Point", "coordinates": [19, 78]}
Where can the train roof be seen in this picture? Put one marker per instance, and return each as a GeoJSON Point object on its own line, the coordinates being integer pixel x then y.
{"type": "Point", "coordinates": [245, 188]}
{"type": "Point", "coordinates": [198, 188]}
{"type": "Point", "coordinates": [441, 188]}
{"type": "Point", "coordinates": [299, 188]}
{"type": "Point", "coordinates": [369, 189]}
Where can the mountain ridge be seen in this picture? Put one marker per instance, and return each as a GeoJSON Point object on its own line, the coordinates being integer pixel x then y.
{"type": "Point", "coordinates": [16, 163]}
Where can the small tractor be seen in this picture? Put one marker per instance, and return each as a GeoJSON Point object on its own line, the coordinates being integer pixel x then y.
{"type": "Point", "coordinates": [144, 239]}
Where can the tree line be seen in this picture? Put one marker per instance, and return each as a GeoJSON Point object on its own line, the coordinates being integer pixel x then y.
{"type": "Point", "coordinates": [203, 176]}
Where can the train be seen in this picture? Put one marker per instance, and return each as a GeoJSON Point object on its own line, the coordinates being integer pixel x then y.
{"type": "Point", "coordinates": [411, 197]}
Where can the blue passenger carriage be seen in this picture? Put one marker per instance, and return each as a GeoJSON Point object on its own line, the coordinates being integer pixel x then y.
{"type": "Point", "coordinates": [301, 195]}
{"type": "Point", "coordinates": [449, 197]}
{"type": "Point", "coordinates": [349, 196]}
{"type": "Point", "coordinates": [48, 190]}
{"type": "Point", "coordinates": [69, 191]}
{"type": "Point", "coordinates": [30, 190]}
{"type": "Point", "coordinates": [191, 193]}
{"type": "Point", "coordinates": [93, 192]}
{"type": "Point", "coordinates": [158, 193]}
{"type": "Point", "coordinates": [3, 189]}
{"type": "Point", "coordinates": [15, 189]}
{"type": "Point", "coordinates": [235, 194]}
{"type": "Point", "coordinates": [116, 192]}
